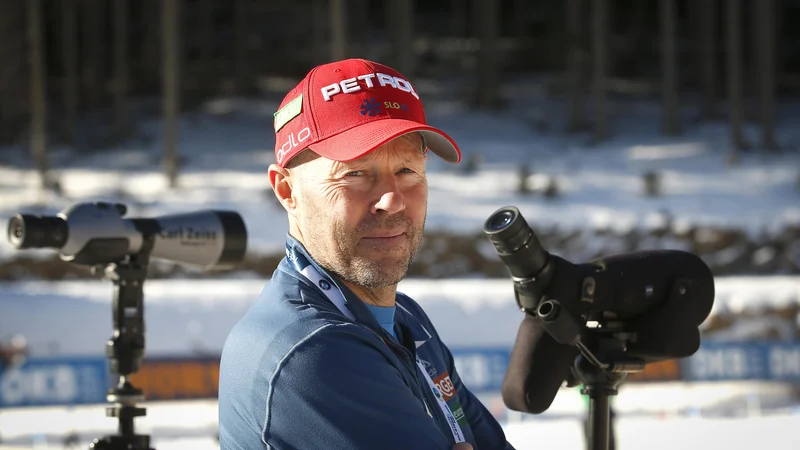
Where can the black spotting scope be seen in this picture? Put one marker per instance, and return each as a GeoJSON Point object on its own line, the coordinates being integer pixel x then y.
{"type": "Point", "coordinates": [616, 313]}
{"type": "Point", "coordinates": [96, 233]}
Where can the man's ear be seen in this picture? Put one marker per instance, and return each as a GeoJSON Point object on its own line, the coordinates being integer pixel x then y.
{"type": "Point", "coordinates": [281, 182]}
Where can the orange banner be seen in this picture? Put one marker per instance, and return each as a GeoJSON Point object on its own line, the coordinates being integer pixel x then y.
{"type": "Point", "coordinates": [175, 379]}
{"type": "Point", "coordinates": [668, 370]}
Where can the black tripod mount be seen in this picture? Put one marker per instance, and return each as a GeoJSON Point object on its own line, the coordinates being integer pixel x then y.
{"type": "Point", "coordinates": [125, 350]}
{"type": "Point", "coordinates": [601, 371]}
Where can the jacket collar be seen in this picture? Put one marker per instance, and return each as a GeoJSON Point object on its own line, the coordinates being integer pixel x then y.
{"type": "Point", "coordinates": [413, 325]}
{"type": "Point", "coordinates": [403, 316]}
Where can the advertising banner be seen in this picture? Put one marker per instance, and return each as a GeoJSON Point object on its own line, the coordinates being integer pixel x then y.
{"type": "Point", "coordinates": [54, 381]}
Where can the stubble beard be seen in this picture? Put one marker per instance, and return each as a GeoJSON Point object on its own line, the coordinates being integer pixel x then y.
{"type": "Point", "coordinates": [337, 249]}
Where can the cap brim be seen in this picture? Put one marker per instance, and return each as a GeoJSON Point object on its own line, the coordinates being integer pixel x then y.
{"type": "Point", "coordinates": [358, 141]}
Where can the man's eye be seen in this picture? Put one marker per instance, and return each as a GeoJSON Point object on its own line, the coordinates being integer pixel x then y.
{"type": "Point", "coordinates": [354, 173]}
{"type": "Point", "coordinates": [405, 170]}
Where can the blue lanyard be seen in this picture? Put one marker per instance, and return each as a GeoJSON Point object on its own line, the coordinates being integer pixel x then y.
{"type": "Point", "coordinates": [304, 266]}
{"type": "Point", "coordinates": [334, 294]}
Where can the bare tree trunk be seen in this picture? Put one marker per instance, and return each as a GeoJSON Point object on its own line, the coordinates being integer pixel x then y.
{"type": "Point", "coordinates": [765, 19]}
{"type": "Point", "coordinates": [734, 69]}
{"type": "Point", "coordinates": [751, 74]}
{"type": "Point", "coordinates": [319, 31]}
{"type": "Point", "coordinates": [242, 36]}
{"type": "Point", "coordinates": [669, 88]}
{"type": "Point", "coordinates": [339, 35]}
{"type": "Point", "coordinates": [69, 53]}
{"type": "Point", "coordinates": [150, 56]}
{"type": "Point", "coordinates": [575, 64]}
{"type": "Point", "coordinates": [694, 38]}
{"type": "Point", "coordinates": [207, 39]}
{"type": "Point", "coordinates": [600, 68]}
{"type": "Point", "coordinates": [458, 18]}
{"type": "Point", "coordinates": [709, 61]}
{"type": "Point", "coordinates": [38, 131]}
{"type": "Point", "coordinates": [93, 61]}
{"type": "Point", "coordinates": [401, 14]}
{"type": "Point", "coordinates": [358, 42]}
{"type": "Point", "coordinates": [640, 14]}
{"type": "Point", "coordinates": [171, 86]}
{"type": "Point", "coordinates": [120, 66]}
{"type": "Point", "coordinates": [780, 27]}
{"type": "Point", "coordinates": [486, 17]}
{"type": "Point", "coordinates": [520, 9]}
{"type": "Point", "coordinates": [14, 71]}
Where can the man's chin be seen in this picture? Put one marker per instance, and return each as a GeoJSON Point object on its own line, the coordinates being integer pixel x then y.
{"type": "Point", "coordinates": [381, 274]}
{"type": "Point", "coordinates": [379, 282]}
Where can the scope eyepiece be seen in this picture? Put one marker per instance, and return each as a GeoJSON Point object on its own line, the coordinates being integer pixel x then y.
{"type": "Point", "coordinates": [500, 220]}
{"type": "Point", "coordinates": [507, 230]}
{"type": "Point", "coordinates": [515, 242]}
{"type": "Point", "coordinates": [31, 231]}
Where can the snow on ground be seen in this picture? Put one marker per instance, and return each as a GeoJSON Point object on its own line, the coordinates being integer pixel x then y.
{"type": "Point", "coordinates": [226, 159]}
{"type": "Point", "coordinates": [773, 432]}
{"type": "Point", "coordinates": [185, 316]}
{"type": "Point", "coordinates": [192, 425]}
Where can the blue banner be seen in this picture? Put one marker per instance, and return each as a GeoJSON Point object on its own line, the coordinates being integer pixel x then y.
{"type": "Point", "coordinates": [725, 361]}
{"type": "Point", "coordinates": [54, 381]}
{"type": "Point", "coordinates": [482, 369]}
{"type": "Point", "coordinates": [73, 381]}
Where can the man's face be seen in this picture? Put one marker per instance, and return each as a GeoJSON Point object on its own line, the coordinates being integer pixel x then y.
{"type": "Point", "coordinates": [363, 219]}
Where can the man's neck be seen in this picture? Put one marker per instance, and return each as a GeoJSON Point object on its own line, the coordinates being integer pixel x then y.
{"type": "Point", "coordinates": [374, 296]}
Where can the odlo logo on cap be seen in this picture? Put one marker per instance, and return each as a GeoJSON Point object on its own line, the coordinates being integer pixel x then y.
{"type": "Point", "coordinates": [292, 142]}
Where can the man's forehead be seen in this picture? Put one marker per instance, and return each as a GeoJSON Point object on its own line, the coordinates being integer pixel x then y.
{"type": "Point", "coordinates": [410, 143]}
{"type": "Point", "coordinates": [414, 137]}
{"type": "Point", "coordinates": [407, 146]}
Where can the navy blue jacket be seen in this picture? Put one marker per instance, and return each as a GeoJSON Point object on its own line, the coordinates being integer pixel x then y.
{"type": "Point", "coordinates": [296, 373]}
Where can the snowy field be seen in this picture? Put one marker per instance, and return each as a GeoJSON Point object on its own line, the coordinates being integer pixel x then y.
{"type": "Point", "coordinates": [225, 160]}
{"type": "Point", "coordinates": [194, 316]}
{"type": "Point", "coordinates": [192, 426]}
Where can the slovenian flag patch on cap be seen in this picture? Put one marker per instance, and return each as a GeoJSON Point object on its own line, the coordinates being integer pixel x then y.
{"type": "Point", "coordinates": [288, 112]}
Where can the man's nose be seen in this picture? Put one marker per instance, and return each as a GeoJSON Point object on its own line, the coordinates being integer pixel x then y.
{"type": "Point", "coordinates": [391, 199]}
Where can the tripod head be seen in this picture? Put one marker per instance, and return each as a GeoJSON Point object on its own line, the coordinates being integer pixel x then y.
{"type": "Point", "coordinates": [96, 235]}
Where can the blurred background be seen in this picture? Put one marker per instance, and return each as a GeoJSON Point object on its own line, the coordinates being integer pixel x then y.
{"type": "Point", "coordinates": [613, 126]}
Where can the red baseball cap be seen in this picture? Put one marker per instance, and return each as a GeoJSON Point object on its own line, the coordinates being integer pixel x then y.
{"type": "Point", "coordinates": [345, 109]}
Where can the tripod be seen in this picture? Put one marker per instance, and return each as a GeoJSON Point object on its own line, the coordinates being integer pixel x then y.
{"type": "Point", "coordinates": [125, 350]}
{"type": "Point", "coordinates": [601, 372]}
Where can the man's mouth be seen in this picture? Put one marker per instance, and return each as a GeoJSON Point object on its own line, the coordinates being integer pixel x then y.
{"type": "Point", "coordinates": [384, 238]}
{"type": "Point", "coordinates": [384, 234]}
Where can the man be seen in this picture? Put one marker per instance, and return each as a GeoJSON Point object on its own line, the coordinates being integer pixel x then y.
{"type": "Point", "coordinates": [331, 356]}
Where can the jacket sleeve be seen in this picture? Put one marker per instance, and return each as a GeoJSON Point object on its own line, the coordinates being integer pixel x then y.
{"type": "Point", "coordinates": [488, 433]}
{"type": "Point", "coordinates": [337, 390]}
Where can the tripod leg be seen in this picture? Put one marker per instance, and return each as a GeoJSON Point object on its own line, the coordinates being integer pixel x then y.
{"type": "Point", "coordinates": [612, 442]}
{"type": "Point", "coordinates": [598, 421]}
